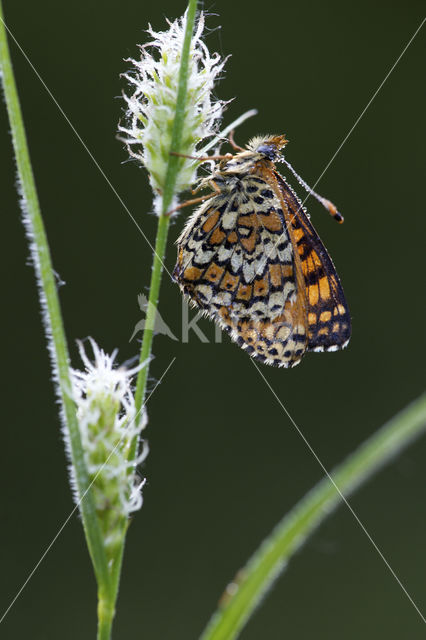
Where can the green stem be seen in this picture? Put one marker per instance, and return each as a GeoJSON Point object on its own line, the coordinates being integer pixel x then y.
{"type": "Point", "coordinates": [154, 293]}
{"type": "Point", "coordinates": [163, 219]}
{"type": "Point", "coordinates": [106, 611]}
{"type": "Point", "coordinates": [107, 598]}
{"type": "Point", "coordinates": [106, 603]}
{"type": "Point", "coordinates": [50, 303]}
{"type": "Point", "coordinates": [276, 550]}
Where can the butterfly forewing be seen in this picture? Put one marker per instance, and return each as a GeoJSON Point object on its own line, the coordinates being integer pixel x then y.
{"type": "Point", "coordinates": [328, 319]}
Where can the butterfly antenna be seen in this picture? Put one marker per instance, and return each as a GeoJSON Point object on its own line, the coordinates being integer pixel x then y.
{"type": "Point", "coordinates": [331, 208]}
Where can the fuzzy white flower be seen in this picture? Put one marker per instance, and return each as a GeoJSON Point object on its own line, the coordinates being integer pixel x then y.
{"type": "Point", "coordinates": [152, 106]}
{"type": "Point", "coordinates": [108, 424]}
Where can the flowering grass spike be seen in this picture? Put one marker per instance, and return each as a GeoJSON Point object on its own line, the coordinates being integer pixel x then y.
{"type": "Point", "coordinates": [152, 106]}
{"type": "Point", "coordinates": [108, 423]}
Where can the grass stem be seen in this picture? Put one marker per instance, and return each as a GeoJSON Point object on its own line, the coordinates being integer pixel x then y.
{"type": "Point", "coordinates": [275, 551]}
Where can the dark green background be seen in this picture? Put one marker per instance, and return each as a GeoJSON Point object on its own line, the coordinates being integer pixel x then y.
{"type": "Point", "coordinates": [225, 462]}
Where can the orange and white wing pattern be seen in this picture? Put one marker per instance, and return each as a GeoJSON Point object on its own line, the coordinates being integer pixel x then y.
{"type": "Point", "coordinates": [236, 262]}
{"type": "Point", "coordinates": [328, 319]}
{"type": "Point", "coordinates": [251, 260]}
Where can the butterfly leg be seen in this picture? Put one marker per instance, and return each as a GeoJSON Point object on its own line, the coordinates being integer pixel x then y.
{"type": "Point", "coordinates": [189, 203]}
{"type": "Point", "coordinates": [232, 142]}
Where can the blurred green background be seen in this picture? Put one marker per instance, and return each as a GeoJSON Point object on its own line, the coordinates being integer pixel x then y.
{"type": "Point", "coordinates": [225, 462]}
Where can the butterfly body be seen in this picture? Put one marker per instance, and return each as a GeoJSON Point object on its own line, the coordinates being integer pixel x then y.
{"type": "Point", "coordinates": [250, 259]}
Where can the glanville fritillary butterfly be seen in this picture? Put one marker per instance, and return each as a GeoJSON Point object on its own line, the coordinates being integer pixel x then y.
{"type": "Point", "coordinates": [252, 261]}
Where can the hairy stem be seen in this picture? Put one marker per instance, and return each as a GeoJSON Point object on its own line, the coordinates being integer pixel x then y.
{"type": "Point", "coordinates": [275, 551]}
{"type": "Point", "coordinates": [50, 305]}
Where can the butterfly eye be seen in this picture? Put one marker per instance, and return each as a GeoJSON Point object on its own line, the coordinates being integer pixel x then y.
{"type": "Point", "coordinates": [268, 151]}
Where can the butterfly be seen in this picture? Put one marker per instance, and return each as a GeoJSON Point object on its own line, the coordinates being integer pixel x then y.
{"type": "Point", "coordinates": [251, 260]}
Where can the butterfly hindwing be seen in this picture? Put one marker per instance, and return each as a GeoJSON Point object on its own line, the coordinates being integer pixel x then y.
{"type": "Point", "coordinates": [236, 262]}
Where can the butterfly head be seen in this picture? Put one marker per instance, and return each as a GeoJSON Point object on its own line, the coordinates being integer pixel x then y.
{"type": "Point", "coordinates": [262, 149]}
{"type": "Point", "coordinates": [268, 146]}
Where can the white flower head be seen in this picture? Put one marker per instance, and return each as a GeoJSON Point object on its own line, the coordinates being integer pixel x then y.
{"type": "Point", "coordinates": [108, 423]}
{"type": "Point", "coordinates": [151, 108]}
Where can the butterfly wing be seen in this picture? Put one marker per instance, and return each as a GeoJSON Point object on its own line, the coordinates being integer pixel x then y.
{"type": "Point", "coordinates": [236, 262]}
{"type": "Point", "coordinates": [327, 313]}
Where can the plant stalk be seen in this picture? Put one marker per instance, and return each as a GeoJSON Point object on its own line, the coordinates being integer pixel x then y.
{"type": "Point", "coordinates": [50, 306]}
{"type": "Point", "coordinates": [163, 219]}
{"type": "Point", "coordinates": [274, 553]}
{"type": "Point", "coordinates": [107, 600]}
{"type": "Point", "coordinates": [106, 612]}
